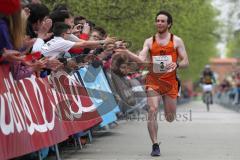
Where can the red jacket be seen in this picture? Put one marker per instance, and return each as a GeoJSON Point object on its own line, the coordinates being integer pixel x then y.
{"type": "Point", "coordinates": [83, 36]}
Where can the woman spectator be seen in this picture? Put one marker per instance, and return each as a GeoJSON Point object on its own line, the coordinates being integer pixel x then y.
{"type": "Point", "coordinates": [237, 82]}
{"type": "Point", "coordinates": [11, 38]}
{"type": "Point", "coordinates": [6, 9]}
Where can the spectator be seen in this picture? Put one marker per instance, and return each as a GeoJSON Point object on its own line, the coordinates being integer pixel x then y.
{"type": "Point", "coordinates": [60, 44]}
{"type": "Point", "coordinates": [120, 64]}
{"type": "Point", "coordinates": [37, 21]}
{"type": "Point", "coordinates": [11, 38]}
{"type": "Point", "coordinates": [225, 86]}
{"type": "Point", "coordinates": [66, 17]}
{"type": "Point", "coordinates": [80, 20]}
{"type": "Point", "coordinates": [82, 31]}
{"type": "Point", "coordinates": [98, 33]}
{"type": "Point", "coordinates": [60, 7]}
{"type": "Point", "coordinates": [237, 88]}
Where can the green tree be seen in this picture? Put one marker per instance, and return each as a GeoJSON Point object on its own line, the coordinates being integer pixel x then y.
{"type": "Point", "coordinates": [233, 46]}
{"type": "Point", "coordinates": [134, 21]}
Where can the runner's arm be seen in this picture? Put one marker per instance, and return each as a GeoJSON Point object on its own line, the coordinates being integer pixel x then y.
{"type": "Point", "coordinates": [183, 63]}
{"type": "Point", "coordinates": [142, 57]}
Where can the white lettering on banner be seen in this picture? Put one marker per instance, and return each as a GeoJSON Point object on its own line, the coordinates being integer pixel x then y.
{"type": "Point", "coordinates": [17, 114]}
{"type": "Point", "coordinates": [55, 78]}
{"type": "Point", "coordinates": [53, 81]}
{"type": "Point", "coordinates": [12, 106]}
{"type": "Point", "coordinates": [18, 118]}
{"type": "Point", "coordinates": [138, 89]}
{"type": "Point", "coordinates": [55, 97]}
{"type": "Point", "coordinates": [72, 82]}
{"type": "Point", "coordinates": [14, 112]}
{"type": "Point", "coordinates": [22, 116]}
{"type": "Point", "coordinates": [76, 98]}
{"type": "Point", "coordinates": [6, 128]}
{"type": "Point", "coordinates": [37, 91]}
{"type": "Point", "coordinates": [15, 91]}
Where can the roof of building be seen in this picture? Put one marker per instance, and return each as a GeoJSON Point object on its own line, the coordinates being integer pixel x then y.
{"type": "Point", "coordinates": [225, 60]}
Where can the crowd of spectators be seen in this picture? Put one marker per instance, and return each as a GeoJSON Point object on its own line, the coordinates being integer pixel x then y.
{"type": "Point", "coordinates": [35, 40]}
{"type": "Point", "coordinates": [229, 89]}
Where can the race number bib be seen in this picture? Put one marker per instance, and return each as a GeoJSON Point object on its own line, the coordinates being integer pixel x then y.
{"type": "Point", "coordinates": [160, 63]}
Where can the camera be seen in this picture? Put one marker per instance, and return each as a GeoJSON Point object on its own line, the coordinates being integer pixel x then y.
{"type": "Point", "coordinates": [98, 51]}
{"type": "Point", "coordinates": [123, 44]}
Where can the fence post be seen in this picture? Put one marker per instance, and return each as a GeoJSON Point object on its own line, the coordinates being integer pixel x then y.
{"type": "Point", "coordinates": [57, 152]}
{"type": "Point", "coordinates": [39, 155]}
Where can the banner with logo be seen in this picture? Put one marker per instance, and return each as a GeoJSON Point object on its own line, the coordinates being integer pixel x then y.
{"type": "Point", "coordinates": [36, 113]}
{"type": "Point", "coordinates": [99, 90]}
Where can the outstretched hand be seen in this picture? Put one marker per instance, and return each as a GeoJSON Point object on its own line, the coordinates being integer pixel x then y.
{"type": "Point", "coordinates": [11, 55]}
{"type": "Point", "coordinates": [110, 40]}
{"type": "Point", "coordinates": [121, 50]}
{"type": "Point", "coordinates": [53, 64]}
{"type": "Point", "coordinates": [38, 65]}
{"type": "Point", "coordinates": [171, 67]}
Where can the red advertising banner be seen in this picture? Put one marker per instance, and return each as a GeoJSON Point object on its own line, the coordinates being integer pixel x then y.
{"type": "Point", "coordinates": [36, 113]}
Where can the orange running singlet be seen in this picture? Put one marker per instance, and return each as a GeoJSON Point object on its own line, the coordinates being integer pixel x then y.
{"type": "Point", "coordinates": [165, 83]}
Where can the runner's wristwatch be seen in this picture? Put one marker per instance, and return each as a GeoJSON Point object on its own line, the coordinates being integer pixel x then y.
{"type": "Point", "coordinates": [177, 65]}
{"type": "Point", "coordinates": [101, 42]}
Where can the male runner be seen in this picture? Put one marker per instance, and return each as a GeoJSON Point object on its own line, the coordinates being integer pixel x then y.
{"type": "Point", "coordinates": [167, 53]}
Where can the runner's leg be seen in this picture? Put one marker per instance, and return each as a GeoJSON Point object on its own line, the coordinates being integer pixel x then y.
{"type": "Point", "coordinates": [169, 108]}
{"type": "Point", "coordinates": [153, 104]}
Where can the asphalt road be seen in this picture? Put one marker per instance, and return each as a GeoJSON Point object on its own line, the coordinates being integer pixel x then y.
{"type": "Point", "coordinates": [195, 135]}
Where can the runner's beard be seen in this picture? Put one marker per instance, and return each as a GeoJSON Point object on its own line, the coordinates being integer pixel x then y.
{"type": "Point", "coordinates": [163, 31]}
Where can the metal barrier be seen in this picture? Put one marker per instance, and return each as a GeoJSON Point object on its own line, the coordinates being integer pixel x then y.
{"type": "Point", "coordinates": [227, 100]}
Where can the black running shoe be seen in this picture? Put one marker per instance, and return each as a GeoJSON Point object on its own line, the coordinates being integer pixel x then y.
{"type": "Point", "coordinates": [155, 150]}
